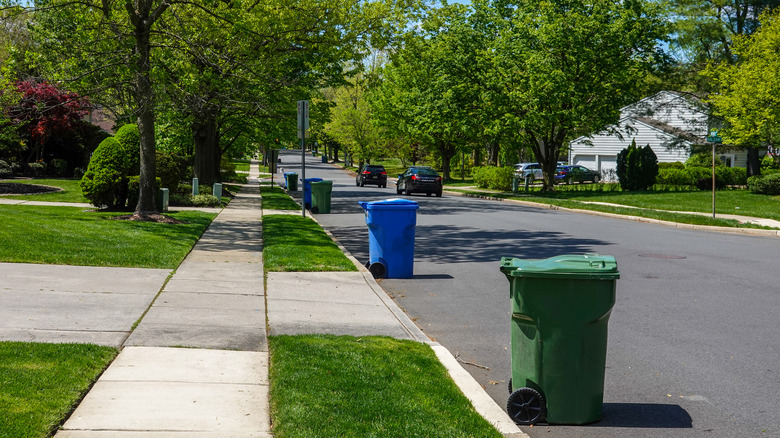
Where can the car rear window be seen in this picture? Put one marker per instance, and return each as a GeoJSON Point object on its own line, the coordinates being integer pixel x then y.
{"type": "Point", "coordinates": [375, 168]}
{"type": "Point", "coordinates": [426, 172]}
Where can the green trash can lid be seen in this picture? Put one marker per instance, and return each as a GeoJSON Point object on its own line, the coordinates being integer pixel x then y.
{"type": "Point", "coordinates": [321, 183]}
{"type": "Point", "coordinates": [572, 266]}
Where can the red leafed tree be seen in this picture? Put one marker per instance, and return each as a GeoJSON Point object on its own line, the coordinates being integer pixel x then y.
{"type": "Point", "coordinates": [46, 111]}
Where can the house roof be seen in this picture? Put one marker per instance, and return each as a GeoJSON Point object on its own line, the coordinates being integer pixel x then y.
{"type": "Point", "coordinates": [655, 125]}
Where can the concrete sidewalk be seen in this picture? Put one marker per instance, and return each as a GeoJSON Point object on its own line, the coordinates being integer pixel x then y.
{"type": "Point", "coordinates": [215, 306]}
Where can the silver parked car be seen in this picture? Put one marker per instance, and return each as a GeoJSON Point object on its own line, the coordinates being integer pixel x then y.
{"type": "Point", "coordinates": [532, 171]}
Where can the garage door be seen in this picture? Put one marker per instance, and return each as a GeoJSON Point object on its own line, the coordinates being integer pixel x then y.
{"type": "Point", "coordinates": [608, 167]}
{"type": "Point", "coordinates": [588, 161]}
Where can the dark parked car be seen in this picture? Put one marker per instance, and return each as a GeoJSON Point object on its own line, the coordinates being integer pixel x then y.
{"type": "Point", "coordinates": [419, 179]}
{"type": "Point", "coordinates": [371, 174]}
{"type": "Point", "coordinates": [576, 173]}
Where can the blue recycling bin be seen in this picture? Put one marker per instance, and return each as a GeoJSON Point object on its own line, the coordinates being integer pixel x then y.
{"type": "Point", "coordinates": [307, 190]}
{"type": "Point", "coordinates": [391, 226]}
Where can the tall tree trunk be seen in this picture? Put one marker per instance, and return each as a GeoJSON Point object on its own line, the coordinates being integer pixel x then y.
{"type": "Point", "coordinates": [492, 150]}
{"type": "Point", "coordinates": [145, 101]}
{"type": "Point", "coordinates": [753, 162]}
{"type": "Point", "coordinates": [204, 136]}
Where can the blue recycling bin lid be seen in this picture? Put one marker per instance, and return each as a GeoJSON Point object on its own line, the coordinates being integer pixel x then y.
{"type": "Point", "coordinates": [390, 204]}
{"type": "Point", "coordinates": [310, 180]}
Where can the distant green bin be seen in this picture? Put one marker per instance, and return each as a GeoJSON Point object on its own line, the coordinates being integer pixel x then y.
{"type": "Point", "coordinates": [320, 196]}
{"type": "Point", "coordinates": [291, 181]}
{"type": "Point", "coordinates": [560, 310]}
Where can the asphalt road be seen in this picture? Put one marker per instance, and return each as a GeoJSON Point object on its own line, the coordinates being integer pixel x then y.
{"type": "Point", "coordinates": [693, 337]}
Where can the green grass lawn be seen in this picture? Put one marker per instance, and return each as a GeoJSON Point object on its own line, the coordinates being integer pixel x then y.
{"type": "Point", "coordinates": [71, 190]}
{"type": "Point", "coordinates": [298, 244]}
{"type": "Point", "coordinates": [275, 198]}
{"type": "Point", "coordinates": [40, 384]}
{"type": "Point", "coordinates": [73, 236]}
{"type": "Point", "coordinates": [241, 165]}
{"type": "Point", "coordinates": [736, 201]}
{"type": "Point", "coordinates": [342, 386]}
{"type": "Point", "coordinates": [731, 201]}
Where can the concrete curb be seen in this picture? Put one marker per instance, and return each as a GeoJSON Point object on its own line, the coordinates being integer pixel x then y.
{"type": "Point", "coordinates": [748, 231]}
{"type": "Point", "coordinates": [479, 399]}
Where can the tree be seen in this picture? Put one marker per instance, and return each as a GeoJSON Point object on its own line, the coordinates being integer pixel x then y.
{"type": "Point", "coordinates": [567, 67]}
{"type": "Point", "coordinates": [351, 122]}
{"type": "Point", "coordinates": [44, 111]}
{"type": "Point", "coordinates": [637, 168]}
{"type": "Point", "coordinates": [749, 96]}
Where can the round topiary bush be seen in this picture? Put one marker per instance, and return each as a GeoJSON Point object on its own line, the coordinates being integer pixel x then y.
{"type": "Point", "coordinates": [765, 184]}
{"type": "Point", "coordinates": [130, 138]}
{"type": "Point", "coordinates": [105, 173]}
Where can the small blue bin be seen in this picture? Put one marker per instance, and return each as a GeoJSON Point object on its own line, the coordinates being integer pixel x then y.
{"type": "Point", "coordinates": [307, 190]}
{"type": "Point", "coordinates": [391, 226]}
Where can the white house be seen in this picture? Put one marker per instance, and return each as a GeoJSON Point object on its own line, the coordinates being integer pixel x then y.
{"type": "Point", "coordinates": [669, 122]}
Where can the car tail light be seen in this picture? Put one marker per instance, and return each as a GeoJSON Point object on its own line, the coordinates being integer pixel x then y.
{"type": "Point", "coordinates": [438, 178]}
{"type": "Point", "coordinates": [383, 172]}
{"type": "Point", "coordinates": [415, 177]}
{"type": "Point", "coordinates": [365, 172]}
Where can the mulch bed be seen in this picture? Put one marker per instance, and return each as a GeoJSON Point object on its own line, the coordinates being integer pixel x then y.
{"type": "Point", "coordinates": [11, 188]}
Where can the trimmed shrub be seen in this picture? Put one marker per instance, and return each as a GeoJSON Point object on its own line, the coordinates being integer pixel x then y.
{"type": "Point", "coordinates": [37, 169]}
{"type": "Point", "coordinates": [171, 169]}
{"type": "Point", "coordinates": [179, 200]}
{"type": "Point", "coordinates": [674, 177]}
{"type": "Point", "coordinates": [205, 201]}
{"type": "Point", "coordinates": [733, 176]}
{"type": "Point", "coordinates": [105, 174]}
{"type": "Point", "coordinates": [130, 138]}
{"type": "Point", "coordinates": [702, 159]}
{"type": "Point", "coordinates": [59, 166]}
{"type": "Point", "coordinates": [765, 184]}
{"type": "Point", "coordinates": [5, 170]}
{"type": "Point", "coordinates": [675, 165]}
{"type": "Point", "coordinates": [491, 177]}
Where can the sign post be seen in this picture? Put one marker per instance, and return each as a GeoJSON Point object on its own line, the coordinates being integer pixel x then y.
{"type": "Point", "coordinates": [303, 126]}
{"type": "Point", "coordinates": [714, 139]}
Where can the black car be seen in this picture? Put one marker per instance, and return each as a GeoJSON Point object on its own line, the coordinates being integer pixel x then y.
{"type": "Point", "coordinates": [371, 174]}
{"type": "Point", "coordinates": [419, 179]}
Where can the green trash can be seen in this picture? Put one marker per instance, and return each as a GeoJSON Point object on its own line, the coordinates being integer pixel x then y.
{"type": "Point", "coordinates": [292, 181]}
{"type": "Point", "coordinates": [320, 196]}
{"type": "Point", "coordinates": [560, 310]}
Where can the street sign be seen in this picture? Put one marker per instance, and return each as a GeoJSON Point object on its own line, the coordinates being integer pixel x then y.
{"type": "Point", "coordinates": [714, 137]}
{"type": "Point", "coordinates": [303, 115]}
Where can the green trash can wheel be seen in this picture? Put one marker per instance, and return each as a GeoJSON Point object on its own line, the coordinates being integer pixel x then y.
{"type": "Point", "coordinates": [526, 406]}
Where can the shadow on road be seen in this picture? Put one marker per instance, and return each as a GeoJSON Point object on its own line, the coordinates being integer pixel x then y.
{"type": "Point", "coordinates": [452, 244]}
{"type": "Point", "coordinates": [645, 416]}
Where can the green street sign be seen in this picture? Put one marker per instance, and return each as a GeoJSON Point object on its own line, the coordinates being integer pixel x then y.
{"type": "Point", "coordinates": [714, 139]}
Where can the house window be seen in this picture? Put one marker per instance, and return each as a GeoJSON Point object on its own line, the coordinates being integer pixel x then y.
{"type": "Point", "coordinates": [727, 159]}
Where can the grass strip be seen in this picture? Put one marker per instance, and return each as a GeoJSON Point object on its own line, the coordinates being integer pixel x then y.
{"type": "Point", "coordinates": [298, 244]}
{"type": "Point", "coordinates": [41, 383]}
{"type": "Point", "coordinates": [71, 190]}
{"type": "Point", "coordinates": [275, 198]}
{"type": "Point", "coordinates": [327, 386]}
{"type": "Point", "coordinates": [72, 236]}
{"type": "Point", "coordinates": [692, 219]}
